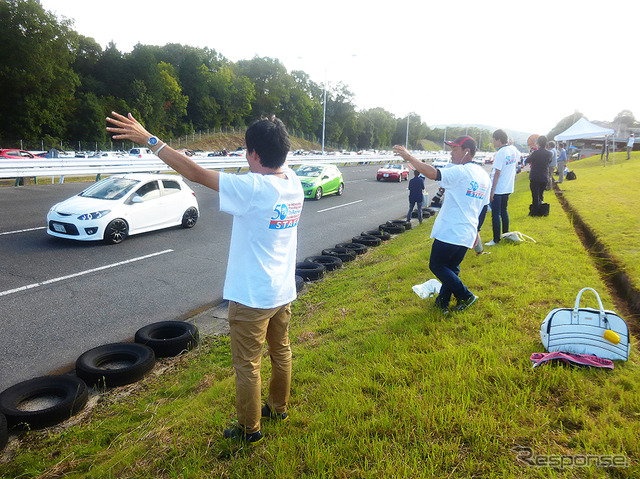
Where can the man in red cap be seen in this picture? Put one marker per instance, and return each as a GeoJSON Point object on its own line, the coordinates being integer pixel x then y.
{"type": "Point", "coordinates": [455, 229]}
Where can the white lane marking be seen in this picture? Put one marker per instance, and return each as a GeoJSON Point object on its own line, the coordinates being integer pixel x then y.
{"type": "Point", "coordinates": [340, 206]}
{"type": "Point", "coordinates": [82, 273]}
{"type": "Point", "coordinates": [23, 231]}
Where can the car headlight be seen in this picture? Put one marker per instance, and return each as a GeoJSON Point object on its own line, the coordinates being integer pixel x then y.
{"type": "Point", "coordinates": [93, 216]}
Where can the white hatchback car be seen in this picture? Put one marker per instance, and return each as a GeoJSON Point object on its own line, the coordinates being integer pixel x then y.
{"type": "Point", "coordinates": [124, 205]}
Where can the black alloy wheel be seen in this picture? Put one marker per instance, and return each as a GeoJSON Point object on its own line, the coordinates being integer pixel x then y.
{"type": "Point", "coordinates": [318, 193]}
{"type": "Point", "coordinates": [116, 231]}
{"type": "Point", "coordinates": [190, 217]}
{"type": "Point", "coordinates": [340, 190]}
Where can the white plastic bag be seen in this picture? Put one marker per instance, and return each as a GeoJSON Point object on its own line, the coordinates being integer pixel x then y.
{"type": "Point", "coordinates": [516, 237]}
{"type": "Point", "coordinates": [427, 289]}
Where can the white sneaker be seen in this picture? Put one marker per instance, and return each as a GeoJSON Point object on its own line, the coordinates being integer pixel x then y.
{"type": "Point", "coordinates": [490, 243]}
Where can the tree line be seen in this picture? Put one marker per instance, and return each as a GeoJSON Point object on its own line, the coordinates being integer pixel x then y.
{"type": "Point", "coordinates": [58, 85]}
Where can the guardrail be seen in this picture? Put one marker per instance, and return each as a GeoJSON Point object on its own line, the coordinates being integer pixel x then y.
{"type": "Point", "coordinates": [50, 167]}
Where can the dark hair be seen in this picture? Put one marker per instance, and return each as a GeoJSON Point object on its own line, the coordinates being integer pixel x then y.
{"type": "Point", "coordinates": [501, 136]}
{"type": "Point", "coordinates": [416, 173]}
{"type": "Point", "coordinates": [551, 144]}
{"type": "Point", "coordinates": [270, 139]}
{"type": "Point", "coordinates": [541, 141]}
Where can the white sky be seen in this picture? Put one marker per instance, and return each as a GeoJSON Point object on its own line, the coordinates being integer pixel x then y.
{"type": "Point", "coordinates": [515, 64]}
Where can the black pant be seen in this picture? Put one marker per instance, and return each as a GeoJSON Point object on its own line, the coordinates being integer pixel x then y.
{"type": "Point", "coordinates": [537, 191]}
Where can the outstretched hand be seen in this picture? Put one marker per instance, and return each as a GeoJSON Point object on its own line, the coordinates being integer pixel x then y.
{"type": "Point", "coordinates": [402, 151]}
{"type": "Point", "coordinates": [127, 128]}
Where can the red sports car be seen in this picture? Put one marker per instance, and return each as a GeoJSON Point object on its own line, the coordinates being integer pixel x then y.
{"type": "Point", "coordinates": [393, 171]}
{"type": "Point", "coordinates": [15, 154]}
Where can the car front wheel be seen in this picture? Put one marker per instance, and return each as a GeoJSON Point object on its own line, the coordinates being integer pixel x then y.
{"type": "Point", "coordinates": [340, 189]}
{"type": "Point", "coordinates": [318, 193]}
{"type": "Point", "coordinates": [116, 231]}
{"type": "Point", "coordinates": [190, 218]}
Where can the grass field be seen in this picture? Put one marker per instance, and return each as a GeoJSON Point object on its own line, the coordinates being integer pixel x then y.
{"type": "Point", "coordinates": [384, 385]}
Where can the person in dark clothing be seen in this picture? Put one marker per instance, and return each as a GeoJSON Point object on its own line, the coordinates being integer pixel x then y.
{"type": "Point", "coordinates": [416, 198]}
{"type": "Point", "coordinates": [539, 174]}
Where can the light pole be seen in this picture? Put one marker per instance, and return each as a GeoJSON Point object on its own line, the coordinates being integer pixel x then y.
{"type": "Point", "coordinates": [406, 142]}
{"type": "Point", "coordinates": [324, 110]}
{"type": "Point", "coordinates": [324, 101]}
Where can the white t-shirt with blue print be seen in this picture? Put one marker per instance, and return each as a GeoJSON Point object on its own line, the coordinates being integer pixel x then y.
{"type": "Point", "coordinates": [262, 254]}
{"type": "Point", "coordinates": [466, 189]}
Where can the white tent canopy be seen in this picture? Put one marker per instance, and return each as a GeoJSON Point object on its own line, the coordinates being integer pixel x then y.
{"type": "Point", "coordinates": [583, 129]}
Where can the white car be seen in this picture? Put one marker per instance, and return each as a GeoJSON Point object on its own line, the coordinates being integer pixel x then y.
{"type": "Point", "coordinates": [124, 205]}
{"type": "Point", "coordinates": [440, 162]}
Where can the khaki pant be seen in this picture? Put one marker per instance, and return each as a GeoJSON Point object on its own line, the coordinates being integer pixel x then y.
{"type": "Point", "coordinates": [249, 329]}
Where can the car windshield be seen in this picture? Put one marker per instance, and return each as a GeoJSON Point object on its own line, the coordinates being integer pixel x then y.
{"type": "Point", "coordinates": [391, 167]}
{"type": "Point", "coordinates": [309, 171]}
{"type": "Point", "coordinates": [109, 189]}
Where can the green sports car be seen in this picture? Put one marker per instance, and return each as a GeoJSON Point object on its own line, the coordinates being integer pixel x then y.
{"type": "Point", "coordinates": [319, 180]}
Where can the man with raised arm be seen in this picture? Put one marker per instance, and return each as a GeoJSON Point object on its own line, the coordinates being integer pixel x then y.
{"type": "Point", "coordinates": [455, 228]}
{"type": "Point", "coordinates": [260, 282]}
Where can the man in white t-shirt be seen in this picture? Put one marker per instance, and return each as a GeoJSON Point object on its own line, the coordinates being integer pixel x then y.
{"type": "Point", "coordinates": [630, 143]}
{"type": "Point", "coordinates": [260, 281]}
{"type": "Point", "coordinates": [455, 228]}
{"type": "Point", "coordinates": [503, 174]}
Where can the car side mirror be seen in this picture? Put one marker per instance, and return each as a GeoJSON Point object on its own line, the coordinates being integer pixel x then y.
{"type": "Point", "coordinates": [137, 199]}
{"type": "Point", "coordinates": [325, 177]}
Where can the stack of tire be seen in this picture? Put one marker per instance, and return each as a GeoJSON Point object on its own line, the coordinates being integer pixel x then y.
{"type": "Point", "coordinates": [30, 404]}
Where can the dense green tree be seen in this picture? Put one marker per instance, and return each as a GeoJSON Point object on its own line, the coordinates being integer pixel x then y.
{"type": "Point", "coordinates": [87, 119]}
{"type": "Point", "coordinates": [35, 70]}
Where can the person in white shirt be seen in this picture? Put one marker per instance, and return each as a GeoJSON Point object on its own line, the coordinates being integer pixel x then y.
{"type": "Point", "coordinates": [260, 282]}
{"type": "Point", "coordinates": [630, 146]}
{"type": "Point", "coordinates": [503, 175]}
{"type": "Point", "coordinates": [456, 227]}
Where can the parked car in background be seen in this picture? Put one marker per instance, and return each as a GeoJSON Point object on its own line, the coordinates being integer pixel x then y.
{"type": "Point", "coordinates": [15, 154]}
{"type": "Point", "coordinates": [141, 152]}
{"type": "Point", "coordinates": [441, 162]}
{"type": "Point", "coordinates": [394, 172]}
{"type": "Point", "coordinates": [319, 180]}
{"type": "Point", "coordinates": [124, 205]}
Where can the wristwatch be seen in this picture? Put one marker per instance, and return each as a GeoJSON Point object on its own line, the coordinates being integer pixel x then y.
{"type": "Point", "coordinates": [152, 141]}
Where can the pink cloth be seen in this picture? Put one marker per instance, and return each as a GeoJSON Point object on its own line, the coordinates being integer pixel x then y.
{"type": "Point", "coordinates": [571, 359]}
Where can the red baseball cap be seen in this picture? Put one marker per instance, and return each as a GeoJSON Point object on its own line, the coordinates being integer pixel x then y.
{"type": "Point", "coordinates": [464, 142]}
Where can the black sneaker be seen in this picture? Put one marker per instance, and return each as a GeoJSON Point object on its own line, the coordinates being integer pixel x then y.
{"type": "Point", "coordinates": [267, 413]}
{"type": "Point", "coordinates": [238, 434]}
{"type": "Point", "coordinates": [465, 303]}
{"type": "Point", "coordinates": [443, 309]}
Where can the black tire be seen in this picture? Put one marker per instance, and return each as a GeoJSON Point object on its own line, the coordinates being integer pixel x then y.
{"type": "Point", "coordinates": [392, 229]}
{"type": "Point", "coordinates": [405, 223]}
{"type": "Point", "coordinates": [426, 212]}
{"type": "Point", "coordinates": [430, 210]}
{"type": "Point", "coordinates": [383, 235]}
{"type": "Point", "coordinates": [331, 263]}
{"type": "Point", "coordinates": [70, 391]}
{"type": "Point", "coordinates": [4, 432]}
{"type": "Point", "coordinates": [168, 338]}
{"type": "Point", "coordinates": [344, 254]}
{"type": "Point", "coordinates": [139, 358]}
{"type": "Point", "coordinates": [116, 231]}
{"type": "Point", "coordinates": [190, 217]}
{"type": "Point", "coordinates": [318, 194]}
{"type": "Point", "coordinates": [340, 190]}
{"type": "Point", "coordinates": [357, 248]}
{"type": "Point", "coordinates": [310, 271]}
{"type": "Point", "coordinates": [399, 178]}
{"type": "Point", "coordinates": [299, 283]}
{"type": "Point", "coordinates": [367, 240]}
